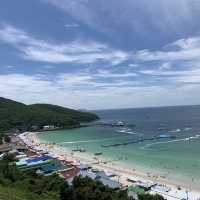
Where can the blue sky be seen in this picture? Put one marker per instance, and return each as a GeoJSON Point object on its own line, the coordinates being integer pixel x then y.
{"type": "Point", "coordinates": [100, 54]}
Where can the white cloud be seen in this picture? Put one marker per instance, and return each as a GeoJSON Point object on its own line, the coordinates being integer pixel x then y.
{"type": "Point", "coordinates": [77, 51]}
{"type": "Point", "coordinates": [48, 66]}
{"type": "Point", "coordinates": [165, 66]}
{"type": "Point", "coordinates": [171, 73]}
{"type": "Point", "coordinates": [110, 74]}
{"type": "Point", "coordinates": [60, 90]}
{"type": "Point", "coordinates": [9, 66]}
{"type": "Point", "coordinates": [92, 52]}
{"type": "Point", "coordinates": [72, 25]}
{"type": "Point", "coordinates": [184, 49]}
{"type": "Point", "coordinates": [174, 78]}
{"type": "Point", "coordinates": [83, 81]}
{"type": "Point", "coordinates": [162, 15]}
{"type": "Point", "coordinates": [133, 65]}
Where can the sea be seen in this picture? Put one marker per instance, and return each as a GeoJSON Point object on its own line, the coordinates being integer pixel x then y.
{"type": "Point", "coordinates": [160, 140]}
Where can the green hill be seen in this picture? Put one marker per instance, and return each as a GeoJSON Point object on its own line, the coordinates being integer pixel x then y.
{"type": "Point", "coordinates": [15, 115]}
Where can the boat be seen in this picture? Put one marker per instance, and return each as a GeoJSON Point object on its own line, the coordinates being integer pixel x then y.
{"type": "Point", "coordinates": [95, 170]}
{"type": "Point", "coordinates": [175, 131]}
{"type": "Point", "coordinates": [163, 129]}
{"type": "Point", "coordinates": [98, 153]}
{"type": "Point", "coordinates": [118, 123]}
{"type": "Point", "coordinates": [79, 150]}
{"type": "Point", "coordinates": [82, 150]}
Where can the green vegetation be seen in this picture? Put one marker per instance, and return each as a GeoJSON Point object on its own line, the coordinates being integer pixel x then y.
{"type": "Point", "coordinates": [15, 184]}
{"type": "Point", "coordinates": [136, 189]}
{"type": "Point", "coordinates": [18, 116]}
{"type": "Point", "coordinates": [87, 189]}
{"type": "Point", "coordinates": [18, 185]}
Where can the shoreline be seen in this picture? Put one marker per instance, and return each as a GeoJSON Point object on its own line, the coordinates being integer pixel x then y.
{"type": "Point", "coordinates": [122, 172]}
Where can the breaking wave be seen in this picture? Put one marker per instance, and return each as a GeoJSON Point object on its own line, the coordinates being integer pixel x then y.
{"type": "Point", "coordinates": [89, 141]}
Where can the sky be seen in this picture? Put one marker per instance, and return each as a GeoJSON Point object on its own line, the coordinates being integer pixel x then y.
{"type": "Point", "coordinates": [100, 54]}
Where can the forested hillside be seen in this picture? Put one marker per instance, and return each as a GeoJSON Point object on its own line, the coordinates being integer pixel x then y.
{"type": "Point", "coordinates": [15, 115]}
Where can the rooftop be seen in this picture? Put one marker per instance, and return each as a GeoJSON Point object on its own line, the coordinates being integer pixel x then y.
{"type": "Point", "coordinates": [110, 183]}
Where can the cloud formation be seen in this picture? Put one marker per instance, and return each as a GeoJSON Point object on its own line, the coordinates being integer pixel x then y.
{"type": "Point", "coordinates": [183, 49]}
{"type": "Point", "coordinates": [125, 86]}
{"type": "Point", "coordinates": [93, 52]}
{"type": "Point", "coordinates": [72, 52]}
{"type": "Point", "coordinates": [66, 91]}
{"type": "Point", "coordinates": [102, 54]}
{"type": "Point", "coordinates": [144, 23]}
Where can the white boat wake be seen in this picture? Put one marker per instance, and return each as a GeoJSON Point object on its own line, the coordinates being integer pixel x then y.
{"type": "Point", "coordinates": [89, 141]}
{"type": "Point", "coordinates": [126, 131]}
{"type": "Point", "coordinates": [147, 146]}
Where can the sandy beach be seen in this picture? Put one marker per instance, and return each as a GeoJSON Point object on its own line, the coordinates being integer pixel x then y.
{"type": "Point", "coordinates": [123, 173]}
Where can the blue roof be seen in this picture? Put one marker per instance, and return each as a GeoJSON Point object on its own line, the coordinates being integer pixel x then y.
{"type": "Point", "coordinates": [39, 158]}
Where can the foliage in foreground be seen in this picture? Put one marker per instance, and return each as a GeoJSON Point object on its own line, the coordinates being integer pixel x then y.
{"type": "Point", "coordinates": [4, 138]}
{"type": "Point", "coordinates": [16, 185]}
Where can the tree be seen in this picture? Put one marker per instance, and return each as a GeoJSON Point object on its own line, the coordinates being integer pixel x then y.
{"type": "Point", "coordinates": [148, 196]}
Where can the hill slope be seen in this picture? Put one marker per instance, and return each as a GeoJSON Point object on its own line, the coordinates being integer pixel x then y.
{"type": "Point", "coordinates": [20, 116]}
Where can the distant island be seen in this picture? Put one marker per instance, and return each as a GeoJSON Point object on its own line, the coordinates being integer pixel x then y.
{"type": "Point", "coordinates": [15, 116]}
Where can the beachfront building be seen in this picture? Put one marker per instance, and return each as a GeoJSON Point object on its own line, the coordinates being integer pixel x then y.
{"type": "Point", "coordinates": [34, 163]}
{"type": "Point", "coordinates": [83, 167]}
{"type": "Point", "coordinates": [69, 173]}
{"type": "Point", "coordinates": [109, 182]}
{"type": "Point", "coordinates": [145, 185]}
{"type": "Point", "coordinates": [88, 174]}
{"type": "Point", "coordinates": [48, 127]}
{"type": "Point", "coordinates": [21, 148]}
{"type": "Point", "coordinates": [102, 177]}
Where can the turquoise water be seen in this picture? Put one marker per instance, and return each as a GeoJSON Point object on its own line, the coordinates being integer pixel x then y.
{"type": "Point", "coordinates": [175, 158]}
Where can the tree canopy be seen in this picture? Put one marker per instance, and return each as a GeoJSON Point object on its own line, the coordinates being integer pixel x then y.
{"type": "Point", "coordinates": [15, 115]}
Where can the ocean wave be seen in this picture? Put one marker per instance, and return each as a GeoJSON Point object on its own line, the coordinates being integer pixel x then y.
{"type": "Point", "coordinates": [127, 131]}
{"type": "Point", "coordinates": [187, 129]}
{"type": "Point", "coordinates": [175, 131]}
{"type": "Point", "coordinates": [88, 141]}
{"type": "Point", "coordinates": [147, 146]}
{"type": "Point", "coordinates": [179, 130]}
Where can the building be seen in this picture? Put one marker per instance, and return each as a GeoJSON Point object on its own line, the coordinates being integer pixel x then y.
{"type": "Point", "coordinates": [21, 148]}
{"type": "Point", "coordinates": [48, 127]}
{"type": "Point", "coordinates": [109, 182]}
{"type": "Point", "coordinates": [145, 185]}
{"type": "Point", "coordinates": [34, 163]}
{"type": "Point", "coordinates": [84, 167]}
{"type": "Point", "coordinates": [5, 148]}
{"type": "Point", "coordinates": [102, 177]}
{"type": "Point", "coordinates": [89, 174]}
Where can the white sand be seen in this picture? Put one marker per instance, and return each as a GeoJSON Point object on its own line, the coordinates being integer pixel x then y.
{"type": "Point", "coordinates": [123, 173]}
